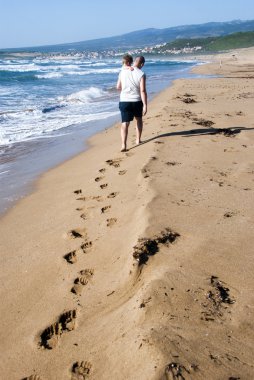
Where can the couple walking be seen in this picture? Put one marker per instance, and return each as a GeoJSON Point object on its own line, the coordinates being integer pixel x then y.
{"type": "Point", "coordinates": [133, 97]}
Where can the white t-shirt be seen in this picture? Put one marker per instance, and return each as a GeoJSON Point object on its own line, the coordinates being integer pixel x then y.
{"type": "Point", "coordinates": [130, 81]}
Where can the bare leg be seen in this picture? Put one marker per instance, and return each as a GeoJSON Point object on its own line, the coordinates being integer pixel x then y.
{"type": "Point", "coordinates": [124, 135]}
{"type": "Point", "coordinates": [139, 128]}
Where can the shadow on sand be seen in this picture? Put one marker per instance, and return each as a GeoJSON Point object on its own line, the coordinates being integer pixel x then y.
{"type": "Point", "coordinates": [228, 132]}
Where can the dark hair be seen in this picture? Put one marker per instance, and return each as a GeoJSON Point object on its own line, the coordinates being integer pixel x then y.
{"type": "Point", "coordinates": [139, 61]}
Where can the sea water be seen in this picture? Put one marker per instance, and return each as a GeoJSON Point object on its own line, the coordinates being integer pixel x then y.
{"type": "Point", "coordinates": [49, 106]}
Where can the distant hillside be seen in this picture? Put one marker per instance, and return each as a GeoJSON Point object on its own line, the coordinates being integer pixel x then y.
{"type": "Point", "coordinates": [152, 36]}
{"type": "Point", "coordinates": [231, 41]}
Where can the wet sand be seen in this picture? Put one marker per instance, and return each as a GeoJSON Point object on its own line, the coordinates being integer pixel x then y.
{"type": "Point", "coordinates": [24, 162]}
{"type": "Point", "coordinates": [139, 265]}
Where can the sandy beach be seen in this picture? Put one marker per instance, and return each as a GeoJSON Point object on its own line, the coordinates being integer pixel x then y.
{"type": "Point", "coordinates": [139, 265]}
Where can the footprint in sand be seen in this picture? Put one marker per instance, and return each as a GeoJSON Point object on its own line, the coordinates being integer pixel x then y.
{"type": "Point", "coordinates": [144, 172]}
{"type": "Point", "coordinates": [175, 371]}
{"type": "Point", "coordinates": [105, 209]}
{"type": "Point", "coordinates": [83, 216]}
{"type": "Point", "coordinates": [50, 336]}
{"type": "Point", "coordinates": [82, 280]}
{"type": "Point", "coordinates": [188, 100]}
{"type": "Point", "coordinates": [71, 257]}
{"type": "Point", "coordinates": [203, 122]}
{"type": "Point", "coordinates": [122, 172]}
{"type": "Point", "coordinates": [102, 170]}
{"type": "Point", "coordinates": [81, 370]}
{"type": "Point", "coordinates": [77, 233]}
{"type": "Point", "coordinates": [216, 298]}
{"type": "Point", "coordinates": [144, 302]}
{"type": "Point", "coordinates": [173, 163]}
{"type": "Point", "coordinates": [81, 199]}
{"type": "Point", "coordinates": [229, 214]}
{"type": "Point", "coordinates": [149, 247]}
{"type": "Point", "coordinates": [111, 222]}
{"type": "Point", "coordinates": [115, 162]}
{"type": "Point", "coordinates": [97, 179]}
{"type": "Point", "coordinates": [104, 186]}
{"type": "Point", "coordinates": [97, 198]}
{"type": "Point", "coordinates": [79, 191]}
{"type": "Point", "coordinates": [33, 377]}
{"type": "Point", "coordinates": [85, 246]}
{"type": "Point", "coordinates": [112, 195]}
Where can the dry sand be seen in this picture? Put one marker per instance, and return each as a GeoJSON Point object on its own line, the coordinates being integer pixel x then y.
{"type": "Point", "coordinates": [139, 265]}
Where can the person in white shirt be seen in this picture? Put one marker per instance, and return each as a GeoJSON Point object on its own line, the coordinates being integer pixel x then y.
{"type": "Point", "coordinates": [133, 97]}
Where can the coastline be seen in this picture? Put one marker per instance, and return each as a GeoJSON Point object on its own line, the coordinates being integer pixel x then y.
{"type": "Point", "coordinates": [129, 320]}
{"type": "Point", "coordinates": [23, 162]}
{"type": "Point", "coordinates": [36, 157]}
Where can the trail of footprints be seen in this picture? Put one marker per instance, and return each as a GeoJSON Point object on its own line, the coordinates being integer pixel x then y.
{"type": "Point", "coordinates": [71, 257]}
{"type": "Point", "coordinates": [66, 322]}
{"type": "Point", "coordinates": [143, 250]}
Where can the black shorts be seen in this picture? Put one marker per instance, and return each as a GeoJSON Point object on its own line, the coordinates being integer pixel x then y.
{"type": "Point", "coordinates": [129, 110]}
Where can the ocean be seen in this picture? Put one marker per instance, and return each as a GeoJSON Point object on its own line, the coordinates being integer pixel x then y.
{"type": "Point", "coordinates": [50, 105]}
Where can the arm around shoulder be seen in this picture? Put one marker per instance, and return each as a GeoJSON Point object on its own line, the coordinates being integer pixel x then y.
{"type": "Point", "coordinates": [143, 94]}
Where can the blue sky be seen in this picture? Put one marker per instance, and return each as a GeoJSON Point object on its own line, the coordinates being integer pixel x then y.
{"type": "Point", "coordinates": [42, 22]}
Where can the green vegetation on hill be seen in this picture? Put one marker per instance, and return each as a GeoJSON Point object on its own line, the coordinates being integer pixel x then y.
{"type": "Point", "coordinates": [231, 41]}
{"type": "Point", "coordinates": [149, 37]}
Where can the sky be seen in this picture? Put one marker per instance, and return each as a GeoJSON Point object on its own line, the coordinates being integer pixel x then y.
{"type": "Point", "coordinates": [25, 23]}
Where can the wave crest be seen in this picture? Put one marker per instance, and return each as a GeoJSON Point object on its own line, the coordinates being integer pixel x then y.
{"type": "Point", "coordinates": [83, 96]}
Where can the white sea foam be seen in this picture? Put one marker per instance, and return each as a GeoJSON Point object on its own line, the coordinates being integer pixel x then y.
{"type": "Point", "coordinates": [41, 127]}
{"type": "Point", "coordinates": [56, 61]}
{"type": "Point", "coordinates": [97, 64]}
{"type": "Point", "coordinates": [95, 71]}
{"type": "Point", "coordinates": [20, 68]}
{"type": "Point", "coordinates": [49, 76]}
{"type": "Point", "coordinates": [6, 171]}
{"type": "Point", "coordinates": [33, 121]}
{"type": "Point", "coordinates": [83, 96]}
{"type": "Point", "coordinates": [62, 67]}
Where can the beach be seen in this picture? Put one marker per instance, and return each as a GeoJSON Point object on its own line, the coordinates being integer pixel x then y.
{"type": "Point", "coordinates": [50, 105]}
{"type": "Point", "coordinates": [139, 265]}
